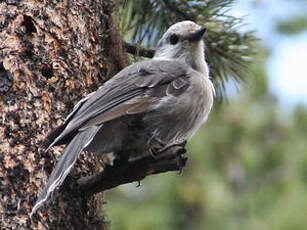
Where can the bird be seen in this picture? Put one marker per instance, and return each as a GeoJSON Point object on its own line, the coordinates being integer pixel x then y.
{"type": "Point", "coordinates": [146, 108]}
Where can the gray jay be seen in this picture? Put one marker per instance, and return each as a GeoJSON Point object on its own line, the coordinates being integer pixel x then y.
{"type": "Point", "coordinates": [144, 109]}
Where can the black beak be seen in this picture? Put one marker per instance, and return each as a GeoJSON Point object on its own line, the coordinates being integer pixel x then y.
{"type": "Point", "coordinates": [198, 35]}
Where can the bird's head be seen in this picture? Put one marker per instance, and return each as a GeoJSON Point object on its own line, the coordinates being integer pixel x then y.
{"type": "Point", "coordinates": [183, 41]}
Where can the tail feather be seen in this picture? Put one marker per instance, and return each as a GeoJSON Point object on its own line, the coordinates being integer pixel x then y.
{"type": "Point", "coordinates": [66, 162]}
{"type": "Point", "coordinates": [52, 136]}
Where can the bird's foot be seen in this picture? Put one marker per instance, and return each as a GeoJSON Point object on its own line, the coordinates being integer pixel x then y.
{"type": "Point", "coordinates": [181, 159]}
{"type": "Point", "coordinates": [155, 144]}
{"type": "Point", "coordinates": [157, 151]}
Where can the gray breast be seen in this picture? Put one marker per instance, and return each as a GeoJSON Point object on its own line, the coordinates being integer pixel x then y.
{"type": "Point", "coordinates": [179, 116]}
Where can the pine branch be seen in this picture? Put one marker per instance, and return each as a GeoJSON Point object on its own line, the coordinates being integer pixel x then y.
{"type": "Point", "coordinates": [138, 50]}
{"type": "Point", "coordinates": [173, 7]}
{"type": "Point", "coordinates": [228, 51]}
{"type": "Point", "coordinates": [124, 172]}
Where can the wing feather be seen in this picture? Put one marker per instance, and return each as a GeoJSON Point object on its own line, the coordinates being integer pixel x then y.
{"type": "Point", "coordinates": [136, 89]}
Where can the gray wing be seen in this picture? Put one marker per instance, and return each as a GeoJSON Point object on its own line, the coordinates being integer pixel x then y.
{"type": "Point", "coordinates": [136, 89]}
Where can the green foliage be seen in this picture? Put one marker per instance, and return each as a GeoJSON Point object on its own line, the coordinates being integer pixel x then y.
{"type": "Point", "coordinates": [293, 25]}
{"type": "Point", "coordinates": [247, 169]}
{"type": "Point", "coordinates": [228, 51]}
{"type": "Point", "coordinates": [247, 166]}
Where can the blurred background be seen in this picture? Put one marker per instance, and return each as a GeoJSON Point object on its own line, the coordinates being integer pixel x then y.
{"type": "Point", "coordinates": [247, 166]}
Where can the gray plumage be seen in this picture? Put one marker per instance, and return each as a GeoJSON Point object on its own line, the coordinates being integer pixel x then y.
{"type": "Point", "coordinates": [147, 106]}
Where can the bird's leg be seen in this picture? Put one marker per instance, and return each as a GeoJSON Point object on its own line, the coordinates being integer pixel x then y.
{"type": "Point", "coordinates": [167, 147]}
{"type": "Point", "coordinates": [161, 147]}
{"type": "Point", "coordinates": [155, 144]}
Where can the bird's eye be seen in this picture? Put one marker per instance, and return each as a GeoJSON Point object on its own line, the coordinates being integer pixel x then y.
{"type": "Point", "coordinates": [174, 39]}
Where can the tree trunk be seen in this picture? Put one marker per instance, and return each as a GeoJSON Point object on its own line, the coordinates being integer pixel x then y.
{"type": "Point", "coordinates": [52, 53]}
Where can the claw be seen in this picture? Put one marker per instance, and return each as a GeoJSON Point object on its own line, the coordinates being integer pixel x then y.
{"type": "Point", "coordinates": [183, 143]}
{"type": "Point", "coordinates": [181, 161]}
{"type": "Point", "coordinates": [156, 151]}
{"type": "Point", "coordinates": [154, 148]}
{"type": "Point", "coordinates": [153, 153]}
{"type": "Point", "coordinates": [167, 147]}
{"type": "Point", "coordinates": [181, 151]}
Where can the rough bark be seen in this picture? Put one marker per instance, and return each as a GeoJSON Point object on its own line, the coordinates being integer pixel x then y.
{"type": "Point", "coordinates": [52, 53]}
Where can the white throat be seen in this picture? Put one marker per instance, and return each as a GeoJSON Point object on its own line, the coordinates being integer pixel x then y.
{"type": "Point", "coordinates": [195, 57]}
{"type": "Point", "coordinates": [198, 60]}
